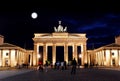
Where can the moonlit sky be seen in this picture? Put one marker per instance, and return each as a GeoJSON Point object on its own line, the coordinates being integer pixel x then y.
{"type": "Point", "coordinates": [99, 20]}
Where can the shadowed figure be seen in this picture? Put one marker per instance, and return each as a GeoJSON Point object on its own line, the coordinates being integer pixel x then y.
{"type": "Point", "coordinates": [46, 66]}
{"type": "Point", "coordinates": [74, 64]}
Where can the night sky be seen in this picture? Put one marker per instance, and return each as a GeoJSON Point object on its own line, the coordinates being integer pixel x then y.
{"type": "Point", "coordinates": [100, 20]}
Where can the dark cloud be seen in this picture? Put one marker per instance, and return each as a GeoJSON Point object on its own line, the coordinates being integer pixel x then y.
{"type": "Point", "coordinates": [101, 30]}
{"type": "Point", "coordinates": [111, 16]}
{"type": "Point", "coordinates": [92, 26]}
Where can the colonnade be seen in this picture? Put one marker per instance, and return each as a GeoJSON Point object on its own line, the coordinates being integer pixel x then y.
{"type": "Point", "coordinates": [108, 57]}
{"type": "Point", "coordinates": [66, 56]}
{"type": "Point", "coordinates": [12, 57]}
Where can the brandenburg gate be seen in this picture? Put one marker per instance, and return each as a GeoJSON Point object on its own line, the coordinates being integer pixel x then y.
{"type": "Point", "coordinates": [60, 38]}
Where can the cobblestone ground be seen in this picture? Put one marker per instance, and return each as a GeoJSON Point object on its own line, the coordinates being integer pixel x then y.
{"type": "Point", "coordinates": [89, 74]}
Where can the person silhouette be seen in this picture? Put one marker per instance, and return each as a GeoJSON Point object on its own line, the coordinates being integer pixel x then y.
{"type": "Point", "coordinates": [46, 66]}
{"type": "Point", "coordinates": [74, 64]}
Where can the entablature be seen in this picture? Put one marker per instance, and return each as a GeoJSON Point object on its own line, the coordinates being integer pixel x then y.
{"type": "Point", "coordinates": [60, 40]}
{"type": "Point", "coordinates": [58, 44]}
{"type": "Point", "coordinates": [59, 35]}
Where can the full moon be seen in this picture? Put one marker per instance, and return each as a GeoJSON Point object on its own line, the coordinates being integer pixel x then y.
{"type": "Point", "coordinates": [34, 15]}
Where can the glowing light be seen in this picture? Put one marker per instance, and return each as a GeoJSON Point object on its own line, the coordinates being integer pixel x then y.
{"type": "Point", "coordinates": [39, 56]}
{"type": "Point", "coordinates": [34, 15]}
{"type": "Point", "coordinates": [80, 55]}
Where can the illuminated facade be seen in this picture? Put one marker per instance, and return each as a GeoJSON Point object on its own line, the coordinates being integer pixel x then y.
{"type": "Point", "coordinates": [108, 55]}
{"type": "Point", "coordinates": [59, 38]}
{"type": "Point", "coordinates": [12, 55]}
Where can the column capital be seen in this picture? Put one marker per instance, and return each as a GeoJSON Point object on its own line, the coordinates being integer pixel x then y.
{"type": "Point", "coordinates": [54, 43]}
{"type": "Point", "coordinates": [84, 44]}
{"type": "Point", "coordinates": [118, 49]}
{"type": "Point", "coordinates": [35, 43]}
{"type": "Point", "coordinates": [44, 43]}
{"type": "Point", "coordinates": [66, 44]}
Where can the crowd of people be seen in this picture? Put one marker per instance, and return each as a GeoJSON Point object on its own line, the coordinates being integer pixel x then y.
{"type": "Point", "coordinates": [59, 66]}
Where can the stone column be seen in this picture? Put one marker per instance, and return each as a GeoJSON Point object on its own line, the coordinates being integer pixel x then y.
{"type": "Point", "coordinates": [84, 55]}
{"type": "Point", "coordinates": [19, 57]}
{"type": "Point", "coordinates": [1, 57]}
{"type": "Point", "coordinates": [96, 58]}
{"type": "Point", "coordinates": [25, 58]}
{"type": "Point", "coordinates": [84, 52]}
{"type": "Point", "coordinates": [101, 57]}
{"type": "Point", "coordinates": [104, 57]}
{"type": "Point", "coordinates": [118, 57]}
{"type": "Point", "coordinates": [66, 53]}
{"type": "Point", "coordinates": [30, 62]}
{"type": "Point", "coordinates": [88, 59]}
{"type": "Point", "coordinates": [10, 64]}
{"type": "Point", "coordinates": [32, 59]}
{"type": "Point", "coordinates": [53, 54]}
{"type": "Point", "coordinates": [75, 52]}
{"type": "Point", "coordinates": [16, 56]}
{"type": "Point", "coordinates": [110, 58]}
{"type": "Point", "coordinates": [44, 53]}
{"type": "Point", "coordinates": [35, 57]}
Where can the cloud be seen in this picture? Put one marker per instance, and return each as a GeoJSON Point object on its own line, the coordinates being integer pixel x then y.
{"type": "Point", "coordinates": [100, 29]}
{"type": "Point", "coordinates": [111, 16]}
{"type": "Point", "coordinates": [96, 36]}
{"type": "Point", "coordinates": [92, 26]}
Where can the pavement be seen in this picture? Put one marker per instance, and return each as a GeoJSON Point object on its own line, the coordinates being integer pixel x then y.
{"type": "Point", "coordinates": [10, 73]}
{"type": "Point", "coordinates": [82, 74]}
